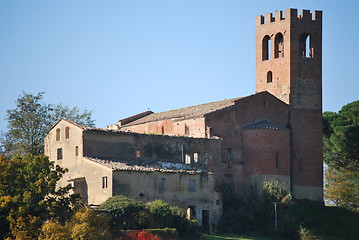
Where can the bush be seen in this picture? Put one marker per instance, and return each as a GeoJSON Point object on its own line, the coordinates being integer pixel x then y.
{"type": "Point", "coordinates": [85, 224]}
{"type": "Point", "coordinates": [253, 210]}
{"type": "Point", "coordinates": [126, 213]}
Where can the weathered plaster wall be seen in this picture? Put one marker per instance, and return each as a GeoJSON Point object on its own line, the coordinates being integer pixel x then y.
{"type": "Point", "coordinates": [173, 188]}
{"type": "Point", "coordinates": [123, 146]}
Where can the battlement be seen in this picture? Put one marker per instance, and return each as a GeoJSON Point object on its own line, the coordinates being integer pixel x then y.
{"type": "Point", "coordinates": [289, 14]}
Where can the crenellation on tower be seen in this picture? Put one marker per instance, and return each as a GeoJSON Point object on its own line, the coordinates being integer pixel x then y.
{"type": "Point", "coordinates": [289, 14]}
{"type": "Point", "coordinates": [278, 16]}
{"type": "Point", "coordinates": [269, 18]}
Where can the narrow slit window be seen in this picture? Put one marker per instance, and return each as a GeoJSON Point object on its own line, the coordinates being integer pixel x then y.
{"type": "Point", "coordinates": [76, 151]}
{"type": "Point", "coordinates": [269, 76]}
{"type": "Point", "coordinates": [58, 134]}
{"type": "Point", "coordinates": [104, 182]}
{"type": "Point", "coordinates": [195, 157]}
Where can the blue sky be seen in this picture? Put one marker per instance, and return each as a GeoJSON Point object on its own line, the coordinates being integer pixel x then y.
{"type": "Point", "coordinates": [119, 58]}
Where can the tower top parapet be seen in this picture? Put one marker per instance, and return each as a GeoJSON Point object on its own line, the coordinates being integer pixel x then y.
{"type": "Point", "coordinates": [290, 14]}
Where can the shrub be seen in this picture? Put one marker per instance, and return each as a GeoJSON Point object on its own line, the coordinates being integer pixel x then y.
{"type": "Point", "coordinates": [126, 213]}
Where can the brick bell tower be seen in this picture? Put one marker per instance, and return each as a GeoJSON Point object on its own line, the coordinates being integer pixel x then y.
{"type": "Point", "coordinates": [289, 66]}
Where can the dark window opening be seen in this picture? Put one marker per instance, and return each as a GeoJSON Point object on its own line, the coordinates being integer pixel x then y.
{"type": "Point", "coordinates": [269, 77]}
{"type": "Point", "coordinates": [163, 129]}
{"type": "Point", "coordinates": [59, 153]}
{"type": "Point", "coordinates": [266, 48]}
{"type": "Point", "coordinates": [76, 151]}
{"type": "Point", "coordinates": [278, 46]}
{"type": "Point", "coordinates": [305, 46]}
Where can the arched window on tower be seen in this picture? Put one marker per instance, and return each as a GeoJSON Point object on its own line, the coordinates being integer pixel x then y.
{"type": "Point", "coordinates": [305, 46]}
{"type": "Point", "coordinates": [266, 48]}
{"type": "Point", "coordinates": [278, 46]}
{"type": "Point", "coordinates": [269, 76]}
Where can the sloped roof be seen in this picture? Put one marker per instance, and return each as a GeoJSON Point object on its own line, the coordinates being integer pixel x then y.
{"type": "Point", "coordinates": [264, 124]}
{"type": "Point", "coordinates": [147, 167]}
{"type": "Point", "coordinates": [185, 113]}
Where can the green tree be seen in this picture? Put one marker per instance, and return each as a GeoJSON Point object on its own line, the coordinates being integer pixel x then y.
{"type": "Point", "coordinates": [28, 195]}
{"type": "Point", "coordinates": [341, 154]}
{"type": "Point", "coordinates": [341, 137]}
{"type": "Point", "coordinates": [342, 187]}
{"type": "Point", "coordinates": [30, 121]}
{"type": "Point", "coordinates": [84, 224]}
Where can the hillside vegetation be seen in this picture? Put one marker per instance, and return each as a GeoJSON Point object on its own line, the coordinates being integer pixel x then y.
{"type": "Point", "coordinates": [312, 222]}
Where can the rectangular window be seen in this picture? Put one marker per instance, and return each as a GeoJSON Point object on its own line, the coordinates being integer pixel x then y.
{"type": "Point", "coordinates": [76, 151]}
{"type": "Point", "coordinates": [58, 133]}
{"type": "Point", "coordinates": [195, 157]}
{"type": "Point", "coordinates": [162, 184]}
{"type": "Point", "coordinates": [192, 185]}
{"type": "Point", "coordinates": [59, 153]}
{"type": "Point", "coordinates": [67, 133]}
{"type": "Point", "coordinates": [188, 159]}
{"type": "Point", "coordinates": [191, 212]}
{"type": "Point", "coordinates": [104, 182]}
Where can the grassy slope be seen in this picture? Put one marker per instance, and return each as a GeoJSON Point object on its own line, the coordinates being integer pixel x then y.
{"type": "Point", "coordinates": [326, 223]}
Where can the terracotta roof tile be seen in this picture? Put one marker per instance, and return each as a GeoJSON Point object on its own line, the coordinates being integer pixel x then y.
{"type": "Point", "coordinates": [185, 113]}
{"type": "Point", "coordinates": [148, 167]}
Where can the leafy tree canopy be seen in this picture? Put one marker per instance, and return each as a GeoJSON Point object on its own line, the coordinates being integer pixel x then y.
{"type": "Point", "coordinates": [341, 154]}
{"type": "Point", "coordinates": [28, 195]}
{"type": "Point", "coordinates": [341, 137]}
{"type": "Point", "coordinates": [31, 119]}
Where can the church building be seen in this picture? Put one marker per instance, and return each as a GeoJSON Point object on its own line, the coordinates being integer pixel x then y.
{"type": "Point", "coordinates": [185, 156]}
